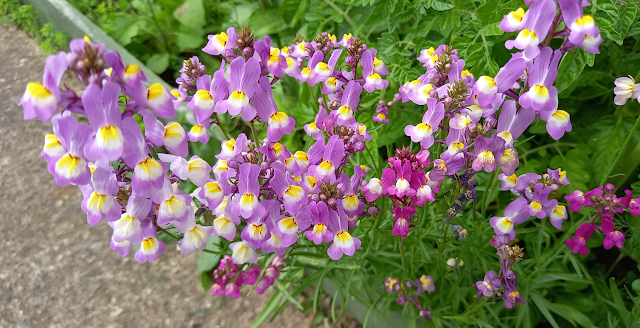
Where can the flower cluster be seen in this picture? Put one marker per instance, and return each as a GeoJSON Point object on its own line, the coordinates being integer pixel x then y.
{"type": "Point", "coordinates": [229, 279]}
{"type": "Point", "coordinates": [410, 291]}
{"type": "Point", "coordinates": [606, 205]}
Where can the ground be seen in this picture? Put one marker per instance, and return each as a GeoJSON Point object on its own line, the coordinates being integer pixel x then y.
{"type": "Point", "coordinates": [55, 269]}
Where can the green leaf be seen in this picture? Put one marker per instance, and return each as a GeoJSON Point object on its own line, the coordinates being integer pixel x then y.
{"type": "Point", "coordinates": [293, 9]}
{"type": "Point", "coordinates": [356, 2]}
{"type": "Point", "coordinates": [635, 29]}
{"type": "Point", "coordinates": [268, 308]}
{"type": "Point", "coordinates": [124, 28]}
{"type": "Point", "coordinates": [158, 63]}
{"type": "Point", "coordinates": [286, 294]}
{"type": "Point", "coordinates": [208, 261]}
{"type": "Point", "coordinates": [542, 306]}
{"type": "Point", "coordinates": [205, 280]}
{"type": "Point", "coordinates": [571, 66]}
{"type": "Point", "coordinates": [191, 13]}
{"type": "Point", "coordinates": [314, 16]}
{"type": "Point", "coordinates": [438, 5]}
{"type": "Point", "coordinates": [264, 22]}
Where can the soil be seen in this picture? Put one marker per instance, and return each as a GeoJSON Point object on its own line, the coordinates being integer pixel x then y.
{"type": "Point", "coordinates": [56, 270]}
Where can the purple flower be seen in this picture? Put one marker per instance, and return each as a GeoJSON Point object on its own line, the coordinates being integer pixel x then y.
{"type": "Point", "coordinates": [557, 213]}
{"type": "Point", "coordinates": [535, 26]}
{"type": "Point", "coordinates": [150, 246]}
{"type": "Point", "coordinates": [487, 88]}
{"type": "Point", "coordinates": [343, 242]}
{"type": "Point", "coordinates": [578, 244]}
{"type": "Point", "coordinates": [392, 284]}
{"type": "Point", "coordinates": [129, 226]}
{"type": "Point", "coordinates": [72, 166]}
{"type": "Point", "coordinates": [279, 123]}
{"type": "Point", "coordinates": [247, 203]}
{"type": "Point", "coordinates": [320, 215]}
{"type": "Point", "coordinates": [147, 173]}
{"type": "Point", "coordinates": [209, 93]}
{"type": "Point", "coordinates": [512, 21]}
{"type": "Point", "coordinates": [577, 199]}
{"type": "Point", "coordinates": [511, 125]}
{"type": "Point", "coordinates": [423, 132]}
{"type": "Point", "coordinates": [293, 196]}
{"type": "Point", "coordinates": [331, 159]}
{"type": "Point", "coordinates": [172, 204]}
{"type": "Point", "coordinates": [511, 298]}
{"type": "Point", "coordinates": [489, 285]}
{"type": "Point", "coordinates": [538, 202]}
{"type": "Point", "coordinates": [542, 95]}
{"type": "Point", "coordinates": [583, 29]}
{"type": "Point", "coordinates": [243, 82]}
{"type": "Point", "coordinates": [41, 100]}
{"type": "Point", "coordinates": [626, 88]}
{"type": "Point", "coordinates": [425, 283]}
{"type": "Point", "coordinates": [243, 253]}
{"type": "Point", "coordinates": [612, 236]}
{"type": "Point", "coordinates": [99, 200]}
{"type": "Point", "coordinates": [349, 103]}
{"type": "Point", "coordinates": [218, 43]}
{"type": "Point", "coordinates": [484, 150]}
{"type": "Point", "coordinates": [514, 214]}
{"type": "Point", "coordinates": [402, 185]}
{"type": "Point", "coordinates": [372, 79]}
{"type": "Point", "coordinates": [195, 235]}
{"type": "Point", "coordinates": [172, 136]}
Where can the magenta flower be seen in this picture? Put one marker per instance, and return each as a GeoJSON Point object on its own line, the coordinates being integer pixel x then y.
{"type": "Point", "coordinates": [402, 217]}
{"type": "Point", "coordinates": [243, 82]}
{"type": "Point", "coordinates": [578, 244]}
{"type": "Point", "coordinates": [423, 132]}
{"type": "Point", "coordinates": [41, 100]}
{"type": "Point", "coordinates": [612, 236]}
{"type": "Point", "coordinates": [402, 185]}
{"type": "Point", "coordinates": [633, 204]}
{"type": "Point", "coordinates": [577, 199]}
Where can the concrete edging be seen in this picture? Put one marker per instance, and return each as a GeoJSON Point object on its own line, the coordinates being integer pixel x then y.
{"type": "Point", "coordinates": [69, 20]}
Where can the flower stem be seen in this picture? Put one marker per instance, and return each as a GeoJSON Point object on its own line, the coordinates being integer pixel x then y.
{"type": "Point", "coordinates": [342, 13]}
{"type": "Point", "coordinates": [254, 133]}
{"type": "Point", "coordinates": [485, 195]}
{"type": "Point", "coordinates": [220, 125]}
{"type": "Point", "coordinates": [402, 258]}
{"type": "Point", "coordinates": [624, 146]}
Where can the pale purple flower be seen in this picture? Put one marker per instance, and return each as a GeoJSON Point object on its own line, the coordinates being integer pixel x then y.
{"type": "Point", "coordinates": [423, 132]}
{"type": "Point", "coordinates": [41, 100]}
{"type": "Point", "coordinates": [243, 81]}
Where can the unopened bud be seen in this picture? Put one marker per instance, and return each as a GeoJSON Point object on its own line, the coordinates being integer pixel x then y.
{"type": "Point", "coordinates": [372, 210]}
{"type": "Point", "coordinates": [609, 187]}
{"type": "Point", "coordinates": [332, 202]}
{"type": "Point", "coordinates": [358, 146]}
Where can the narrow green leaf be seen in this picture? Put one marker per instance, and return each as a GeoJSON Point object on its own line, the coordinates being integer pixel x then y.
{"type": "Point", "coordinates": [540, 303]}
{"type": "Point", "coordinates": [268, 308]}
{"type": "Point", "coordinates": [286, 294]}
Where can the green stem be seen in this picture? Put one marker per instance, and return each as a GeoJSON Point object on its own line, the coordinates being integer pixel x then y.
{"type": "Point", "coordinates": [155, 21]}
{"type": "Point", "coordinates": [215, 115]}
{"type": "Point", "coordinates": [485, 195]}
{"type": "Point", "coordinates": [313, 97]}
{"type": "Point", "coordinates": [624, 146]}
{"type": "Point", "coordinates": [373, 232]}
{"type": "Point", "coordinates": [342, 13]}
{"type": "Point", "coordinates": [402, 258]}
{"type": "Point", "coordinates": [255, 134]}
{"type": "Point", "coordinates": [373, 161]}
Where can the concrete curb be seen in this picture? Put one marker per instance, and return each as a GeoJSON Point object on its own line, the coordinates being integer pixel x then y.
{"type": "Point", "coordinates": [67, 19]}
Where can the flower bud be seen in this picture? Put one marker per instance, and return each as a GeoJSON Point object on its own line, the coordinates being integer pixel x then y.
{"type": "Point", "coordinates": [323, 197]}
{"type": "Point", "coordinates": [358, 146]}
{"type": "Point", "coordinates": [314, 198]}
{"type": "Point", "coordinates": [609, 187]}
{"type": "Point", "coordinates": [332, 202]}
{"type": "Point", "coordinates": [489, 123]}
{"type": "Point", "coordinates": [381, 103]}
{"type": "Point", "coordinates": [372, 210]}
{"type": "Point", "coordinates": [232, 163]}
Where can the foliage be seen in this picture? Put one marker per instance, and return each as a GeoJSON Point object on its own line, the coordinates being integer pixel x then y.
{"type": "Point", "coordinates": [25, 17]}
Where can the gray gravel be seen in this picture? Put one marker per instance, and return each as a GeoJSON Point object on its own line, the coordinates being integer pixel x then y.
{"type": "Point", "coordinates": [55, 269]}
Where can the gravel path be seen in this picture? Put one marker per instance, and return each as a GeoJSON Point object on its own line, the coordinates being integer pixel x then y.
{"type": "Point", "coordinates": [55, 269]}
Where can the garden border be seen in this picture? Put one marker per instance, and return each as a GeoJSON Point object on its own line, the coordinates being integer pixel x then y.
{"type": "Point", "coordinates": [69, 20]}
